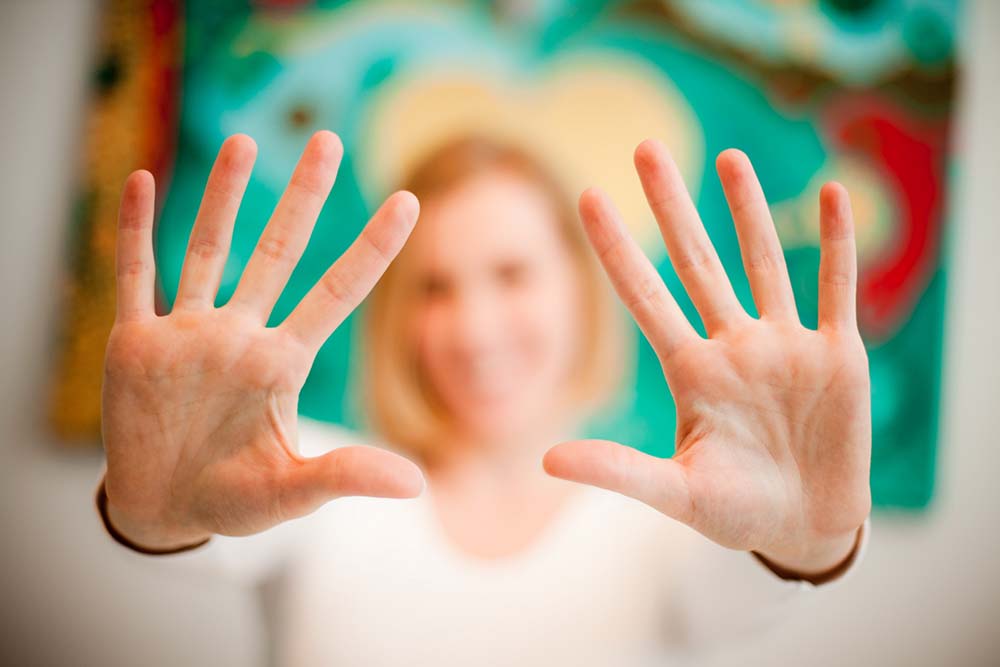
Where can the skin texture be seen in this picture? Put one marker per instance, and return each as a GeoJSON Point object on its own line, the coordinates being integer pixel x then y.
{"type": "Point", "coordinates": [773, 443]}
{"type": "Point", "coordinates": [199, 406]}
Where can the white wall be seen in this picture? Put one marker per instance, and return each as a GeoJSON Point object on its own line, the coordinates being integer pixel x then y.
{"type": "Point", "coordinates": [929, 593]}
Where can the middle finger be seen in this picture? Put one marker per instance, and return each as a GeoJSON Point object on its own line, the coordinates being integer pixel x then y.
{"type": "Point", "coordinates": [287, 233]}
{"type": "Point", "coordinates": [691, 251]}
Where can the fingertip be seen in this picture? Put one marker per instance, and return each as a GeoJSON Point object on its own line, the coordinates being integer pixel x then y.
{"type": "Point", "coordinates": [372, 471]}
{"type": "Point", "coordinates": [401, 477]}
{"type": "Point", "coordinates": [649, 151]}
{"type": "Point", "coordinates": [413, 483]}
{"type": "Point", "coordinates": [407, 204]}
{"type": "Point", "coordinates": [237, 155]}
{"type": "Point", "coordinates": [139, 178]}
{"type": "Point", "coordinates": [573, 459]}
{"type": "Point", "coordinates": [138, 189]}
{"type": "Point", "coordinates": [328, 143]}
{"type": "Point", "coordinates": [835, 205]}
{"type": "Point", "coordinates": [731, 159]}
{"type": "Point", "coordinates": [832, 194]}
{"type": "Point", "coordinates": [421, 485]}
{"type": "Point", "coordinates": [240, 143]}
{"type": "Point", "coordinates": [590, 201]}
{"type": "Point", "coordinates": [552, 461]}
{"type": "Point", "coordinates": [601, 220]}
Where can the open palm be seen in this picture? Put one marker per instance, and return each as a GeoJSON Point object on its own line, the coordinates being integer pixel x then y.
{"type": "Point", "coordinates": [773, 438]}
{"type": "Point", "coordinates": [200, 406]}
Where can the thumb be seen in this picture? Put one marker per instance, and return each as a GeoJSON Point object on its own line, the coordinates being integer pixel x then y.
{"type": "Point", "coordinates": [350, 471]}
{"type": "Point", "coordinates": [660, 483]}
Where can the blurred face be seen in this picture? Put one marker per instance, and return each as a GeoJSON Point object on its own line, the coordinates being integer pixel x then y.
{"type": "Point", "coordinates": [497, 307]}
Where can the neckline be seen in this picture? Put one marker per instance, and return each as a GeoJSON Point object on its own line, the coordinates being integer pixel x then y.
{"type": "Point", "coordinates": [558, 525]}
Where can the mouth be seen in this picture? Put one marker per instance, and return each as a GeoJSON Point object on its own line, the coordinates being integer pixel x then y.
{"type": "Point", "coordinates": [489, 378]}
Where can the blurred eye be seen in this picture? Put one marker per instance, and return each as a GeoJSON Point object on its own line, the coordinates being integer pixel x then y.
{"type": "Point", "coordinates": [433, 287]}
{"type": "Point", "coordinates": [513, 274]}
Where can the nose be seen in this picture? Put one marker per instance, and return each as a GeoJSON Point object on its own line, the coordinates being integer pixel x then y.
{"type": "Point", "coordinates": [475, 320]}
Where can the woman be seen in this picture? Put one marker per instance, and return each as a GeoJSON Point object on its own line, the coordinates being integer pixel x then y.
{"type": "Point", "coordinates": [478, 336]}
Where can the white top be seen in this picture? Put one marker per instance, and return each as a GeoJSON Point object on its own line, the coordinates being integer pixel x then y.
{"type": "Point", "coordinates": [374, 582]}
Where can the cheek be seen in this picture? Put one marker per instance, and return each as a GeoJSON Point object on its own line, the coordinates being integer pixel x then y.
{"type": "Point", "coordinates": [550, 323]}
{"type": "Point", "coordinates": [427, 334]}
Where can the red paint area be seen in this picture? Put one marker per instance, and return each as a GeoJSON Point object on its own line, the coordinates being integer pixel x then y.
{"type": "Point", "coordinates": [910, 154]}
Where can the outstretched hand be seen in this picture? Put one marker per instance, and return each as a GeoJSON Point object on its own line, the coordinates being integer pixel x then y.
{"type": "Point", "coordinates": [773, 440]}
{"type": "Point", "coordinates": [200, 406]}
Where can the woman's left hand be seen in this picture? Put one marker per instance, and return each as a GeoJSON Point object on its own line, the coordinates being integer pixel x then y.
{"type": "Point", "coordinates": [773, 441]}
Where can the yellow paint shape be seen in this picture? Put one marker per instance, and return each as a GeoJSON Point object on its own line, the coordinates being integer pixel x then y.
{"type": "Point", "coordinates": [581, 115]}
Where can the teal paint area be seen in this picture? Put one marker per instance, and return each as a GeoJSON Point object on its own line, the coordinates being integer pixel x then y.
{"type": "Point", "coordinates": [279, 75]}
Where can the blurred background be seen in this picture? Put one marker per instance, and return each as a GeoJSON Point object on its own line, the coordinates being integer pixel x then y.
{"type": "Point", "coordinates": [897, 99]}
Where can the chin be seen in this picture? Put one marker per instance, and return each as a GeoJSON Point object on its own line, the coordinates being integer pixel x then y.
{"type": "Point", "coordinates": [500, 419]}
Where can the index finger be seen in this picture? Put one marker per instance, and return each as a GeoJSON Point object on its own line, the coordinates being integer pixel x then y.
{"type": "Point", "coordinates": [636, 281]}
{"type": "Point", "coordinates": [355, 273]}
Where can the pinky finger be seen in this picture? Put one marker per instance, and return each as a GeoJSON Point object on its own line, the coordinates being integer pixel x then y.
{"type": "Point", "coordinates": [135, 268]}
{"type": "Point", "coordinates": [838, 267]}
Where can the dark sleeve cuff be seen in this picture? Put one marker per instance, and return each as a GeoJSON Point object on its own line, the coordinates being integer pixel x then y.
{"type": "Point", "coordinates": [822, 577]}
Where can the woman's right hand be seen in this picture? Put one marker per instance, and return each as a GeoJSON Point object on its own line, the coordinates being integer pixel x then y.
{"type": "Point", "coordinates": [199, 409]}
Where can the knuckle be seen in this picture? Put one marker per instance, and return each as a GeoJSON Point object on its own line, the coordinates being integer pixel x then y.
{"type": "Point", "coordinates": [645, 295]}
{"type": "Point", "coordinates": [833, 278]}
{"type": "Point", "coordinates": [744, 202]}
{"type": "Point", "coordinates": [273, 248]}
{"type": "Point", "coordinates": [311, 185]}
{"type": "Point", "coordinates": [613, 249]}
{"type": "Point", "coordinates": [695, 258]}
{"type": "Point", "coordinates": [336, 288]}
{"type": "Point", "coordinates": [335, 473]}
{"type": "Point", "coordinates": [225, 194]}
{"type": "Point", "coordinates": [377, 247]}
{"type": "Point", "coordinates": [131, 222]}
{"type": "Point", "coordinates": [835, 230]}
{"type": "Point", "coordinates": [132, 268]}
{"type": "Point", "coordinates": [204, 247]}
{"type": "Point", "coordinates": [667, 199]}
{"type": "Point", "coordinates": [765, 263]}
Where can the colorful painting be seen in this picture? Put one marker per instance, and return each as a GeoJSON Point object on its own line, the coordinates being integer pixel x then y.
{"type": "Point", "coordinates": [854, 90]}
{"type": "Point", "coordinates": [131, 124]}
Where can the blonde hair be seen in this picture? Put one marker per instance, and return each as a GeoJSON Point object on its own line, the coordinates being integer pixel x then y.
{"type": "Point", "coordinates": [400, 405]}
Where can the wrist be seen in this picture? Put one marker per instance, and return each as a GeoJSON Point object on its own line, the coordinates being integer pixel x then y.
{"type": "Point", "coordinates": [816, 562]}
{"type": "Point", "coordinates": [142, 536]}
